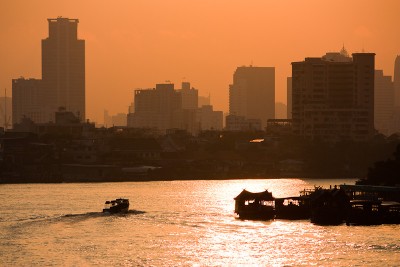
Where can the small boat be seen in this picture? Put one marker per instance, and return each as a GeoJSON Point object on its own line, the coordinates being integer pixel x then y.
{"type": "Point", "coordinates": [119, 205]}
{"type": "Point", "coordinates": [255, 206]}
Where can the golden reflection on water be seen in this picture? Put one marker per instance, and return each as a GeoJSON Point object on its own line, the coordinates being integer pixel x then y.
{"type": "Point", "coordinates": [179, 223]}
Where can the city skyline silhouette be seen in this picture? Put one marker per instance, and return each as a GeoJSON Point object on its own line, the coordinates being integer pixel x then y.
{"type": "Point", "coordinates": [171, 41]}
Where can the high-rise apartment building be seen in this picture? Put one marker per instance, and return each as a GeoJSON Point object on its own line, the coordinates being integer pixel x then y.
{"type": "Point", "coordinates": [63, 68]}
{"type": "Point", "coordinates": [333, 97]}
{"type": "Point", "coordinates": [383, 103]}
{"type": "Point", "coordinates": [252, 94]}
{"type": "Point", "coordinates": [63, 77]}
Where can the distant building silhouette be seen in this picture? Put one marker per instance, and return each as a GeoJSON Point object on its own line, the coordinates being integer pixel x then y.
{"type": "Point", "coordinates": [165, 108]}
{"type": "Point", "coordinates": [280, 110]}
{"type": "Point", "coordinates": [252, 94]}
{"type": "Point", "coordinates": [333, 97]}
{"type": "Point", "coordinates": [156, 108]}
{"type": "Point", "coordinates": [289, 97]}
{"type": "Point", "coordinates": [190, 96]}
{"type": "Point", "coordinates": [396, 81]}
{"type": "Point", "coordinates": [63, 77]}
{"type": "Point", "coordinates": [236, 123]}
{"type": "Point", "coordinates": [208, 119]}
{"type": "Point", "coordinates": [63, 67]}
{"type": "Point", "coordinates": [396, 84]}
{"type": "Point", "coordinates": [5, 112]}
{"type": "Point", "coordinates": [119, 119]}
{"type": "Point", "coordinates": [204, 101]}
{"type": "Point", "coordinates": [27, 100]}
{"type": "Point", "coordinates": [383, 103]}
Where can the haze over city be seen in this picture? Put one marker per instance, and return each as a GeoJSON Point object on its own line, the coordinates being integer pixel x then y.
{"type": "Point", "coordinates": [136, 44]}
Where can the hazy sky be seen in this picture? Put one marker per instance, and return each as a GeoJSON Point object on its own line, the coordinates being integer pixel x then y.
{"type": "Point", "coordinates": [137, 43]}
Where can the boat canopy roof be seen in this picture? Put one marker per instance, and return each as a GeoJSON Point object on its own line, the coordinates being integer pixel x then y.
{"type": "Point", "coordinates": [246, 195]}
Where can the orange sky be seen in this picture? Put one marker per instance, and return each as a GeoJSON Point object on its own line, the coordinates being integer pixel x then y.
{"type": "Point", "coordinates": [137, 43]}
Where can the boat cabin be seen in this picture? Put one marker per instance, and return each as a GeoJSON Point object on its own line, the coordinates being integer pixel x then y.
{"type": "Point", "coordinates": [258, 206]}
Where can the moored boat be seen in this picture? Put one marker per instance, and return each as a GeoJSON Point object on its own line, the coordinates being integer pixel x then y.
{"type": "Point", "coordinates": [364, 212]}
{"type": "Point", "coordinates": [255, 206]}
{"type": "Point", "coordinates": [329, 206]}
{"type": "Point", "coordinates": [119, 205]}
{"type": "Point", "coordinates": [292, 208]}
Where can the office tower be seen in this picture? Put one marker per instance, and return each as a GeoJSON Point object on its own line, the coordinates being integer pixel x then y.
{"type": "Point", "coordinates": [333, 97]}
{"type": "Point", "coordinates": [63, 68]}
{"type": "Point", "coordinates": [252, 94]}
{"type": "Point", "coordinates": [289, 97]}
{"type": "Point", "coordinates": [383, 103]}
{"type": "Point", "coordinates": [27, 100]}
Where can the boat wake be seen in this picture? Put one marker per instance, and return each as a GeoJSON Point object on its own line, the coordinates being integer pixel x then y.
{"type": "Point", "coordinates": [74, 216]}
{"type": "Point", "coordinates": [102, 214]}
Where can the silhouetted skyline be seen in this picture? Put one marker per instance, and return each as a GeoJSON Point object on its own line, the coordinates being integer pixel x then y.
{"type": "Point", "coordinates": [134, 44]}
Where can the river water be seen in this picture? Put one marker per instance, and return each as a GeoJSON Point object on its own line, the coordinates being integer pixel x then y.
{"type": "Point", "coordinates": [176, 223]}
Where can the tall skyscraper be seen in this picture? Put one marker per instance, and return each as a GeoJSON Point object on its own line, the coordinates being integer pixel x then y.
{"type": "Point", "coordinates": [63, 68]}
{"type": "Point", "coordinates": [333, 97]}
{"type": "Point", "coordinates": [383, 103]}
{"type": "Point", "coordinates": [63, 77]}
{"type": "Point", "coordinates": [252, 94]}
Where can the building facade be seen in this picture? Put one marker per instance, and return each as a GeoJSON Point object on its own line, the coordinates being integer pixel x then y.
{"type": "Point", "coordinates": [156, 108]}
{"type": "Point", "coordinates": [236, 123]}
{"type": "Point", "coordinates": [289, 97]}
{"type": "Point", "coordinates": [252, 94]}
{"type": "Point", "coordinates": [396, 84]}
{"type": "Point", "coordinates": [383, 103]}
{"type": "Point", "coordinates": [190, 96]}
{"type": "Point", "coordinates": [208, 119]}
{"type": "Point", "coordinates": [63, 68]}
{"type": "Point", "coordinates": [5, 112]}
{"type": "Point", "coordinates": [27, 100]}
{"type": "Point", "coordinates": [333, 97]}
